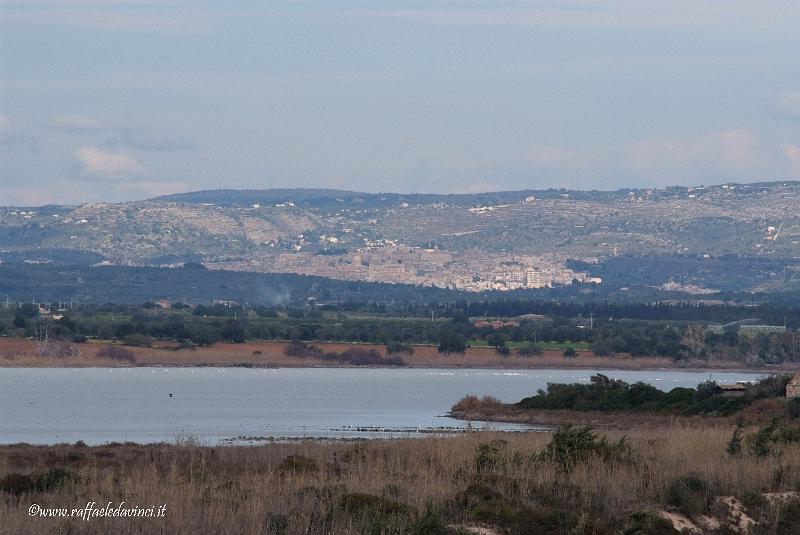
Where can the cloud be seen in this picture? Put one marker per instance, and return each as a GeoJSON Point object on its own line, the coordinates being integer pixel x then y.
{"type": "Point", "coordinates": [94, 162]}
{"type": "Point", "coordinates": [787, 106]}
{"type": "Point", "coordinates": [76, 123]}
{"type": "Point", "coordinates": [149, 140]}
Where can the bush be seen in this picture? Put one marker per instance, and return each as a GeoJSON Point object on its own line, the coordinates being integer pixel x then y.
{"type": "Point", "coordinates": [487, 459]}
{"type": "Point", "coordinates": [688, 494]}
{"type": "Point", "coordinates": [570, 352]}
{"type": "Point", "coordinates": [299, 349]}
{"type": "Point", "coordinates": [399, 347]}
{"type": "Point", "coordinates": [533, 350]}
{"type": "Point", "coordinates": [79, 339]}
{"type": "Point", "coordinates": [793, 407]}
{"type": "Point", "coordinates": [788, 519]}
{"type": "Point", "coordinates": [117, 353]}
{"type": "Point", "coordinates": [429, 523]}
{"type": "Point", "coordinates": [573, 445]}
{"type": "Point", "coordinates": [473, 402]}
{"type": "Point", "coordinates": [17, 484]}
{"type": "Point", "coordinates": [647, 523]}
{"type": "Point", "coordinates": [374, 514]}
{"type": "Point", "coordinates": [138, 340]}
{"type": "Point", "coordinates": [452, 343]}
{"type": "Point", "coordinates": [762, 441]}
{"type": "Point", "coordinates": [53, 479]}
{"type": "Point", "coordinates": [735, 445]}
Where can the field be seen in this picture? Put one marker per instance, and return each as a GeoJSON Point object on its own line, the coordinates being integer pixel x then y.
{"type": "Point", "coordinates": [16, 352]}
{"type": "Point", "coordinates": [506, 483]}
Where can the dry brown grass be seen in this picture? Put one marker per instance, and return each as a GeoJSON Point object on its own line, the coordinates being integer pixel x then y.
{"type": "Point", "coordinates": [240, 489]}
{"type": "Point", "coordinates": [16, 352]}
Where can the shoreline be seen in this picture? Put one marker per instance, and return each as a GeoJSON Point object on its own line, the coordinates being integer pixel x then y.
{"type": "Point", "coordinates": [508, 413]}
{"type": "Point", "coordinates": [23, 353]}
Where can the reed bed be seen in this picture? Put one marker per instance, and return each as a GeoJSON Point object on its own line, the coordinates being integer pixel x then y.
{"type": "Point", "coordinates": [378, 486]}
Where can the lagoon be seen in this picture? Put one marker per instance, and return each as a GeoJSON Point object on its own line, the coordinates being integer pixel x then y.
{"type": "Point", "coordinates": [246, 406]}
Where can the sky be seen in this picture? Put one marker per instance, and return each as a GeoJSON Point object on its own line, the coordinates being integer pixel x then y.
{"type": "Point", "coordinates": [116, 100]}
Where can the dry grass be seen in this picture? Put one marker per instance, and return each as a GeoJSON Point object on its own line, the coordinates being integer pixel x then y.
{"type": "Point", "coordinates": [242, 489]}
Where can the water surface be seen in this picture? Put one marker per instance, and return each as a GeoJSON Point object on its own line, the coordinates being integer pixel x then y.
{"type": "Point", "coordinates": [220, 405]}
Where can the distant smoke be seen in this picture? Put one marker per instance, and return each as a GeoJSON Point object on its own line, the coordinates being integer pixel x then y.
{"type": "Point", "coordinates": [271, 295]}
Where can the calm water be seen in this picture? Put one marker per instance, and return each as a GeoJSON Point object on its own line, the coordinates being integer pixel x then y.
{"type": "Point", "coordinates": [213, 405]}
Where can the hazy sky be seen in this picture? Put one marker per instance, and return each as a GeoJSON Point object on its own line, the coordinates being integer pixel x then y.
{"type": "Point", "coordinates": [127, 99]}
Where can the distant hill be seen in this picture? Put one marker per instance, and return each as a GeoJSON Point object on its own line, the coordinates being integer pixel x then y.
{"type": "Point", "coordinates": [703, 239]}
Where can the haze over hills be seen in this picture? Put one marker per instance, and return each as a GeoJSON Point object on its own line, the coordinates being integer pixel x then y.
{"type": "Point", "coordinates": [731, 237]}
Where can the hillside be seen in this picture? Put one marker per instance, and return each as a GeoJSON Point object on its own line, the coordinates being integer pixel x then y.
{"type": "Point", "coordinates": [490, 241]}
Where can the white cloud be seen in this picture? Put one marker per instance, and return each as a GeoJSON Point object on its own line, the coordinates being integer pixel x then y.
{"type": "Point", "coordinates": [99, 163]}
{"type": "Point", "coordinates": [76, 123]}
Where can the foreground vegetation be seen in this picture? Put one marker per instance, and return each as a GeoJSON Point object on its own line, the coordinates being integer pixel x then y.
{"type": "Point", "coordinates": [573, 481]}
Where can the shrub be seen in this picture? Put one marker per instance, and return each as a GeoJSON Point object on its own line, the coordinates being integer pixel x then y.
{"type": "Point", "coordinates": [793, 407]}
{"type": "Point", "coordinates": [79, 339]}
{"type": "Point", "coordinates": [117, 353]}
{"type": "Point", "coordinates": [399, 347]}
{"type": "Point", "coordinates": [570, 352]}
{"type": "Point", "coordinates": [762, 441]}
{"type": "Point", "coordinates": [17, 484]}
{"type": "Point", "coordinates": [428, 523]}
{"type": "Point", "coordinates": [296, 348]}
{"type": "Point", "coordinates": [374, 514]}
{"type": "Point", "coordinates": [788, 519]}
{"type": "Point", "coordinates": [277, 523]}
{"type": "Point", "coordinates": [473, 402]}
{"type": "Point", "coordinates": [573, 445]}
{"type": "Point", "coordinates": [452, 343]}
{"type": "Point", "coordinates": [735, 445]}
{"type": "Point", "coordinates": [647, 523]}
{"type": "Point", "coordinates": [533, 350]}
{"type": "Point", "coordinates": [688, 494]}
{"type": "Point", "coordinates": [53, 479]}
{"type": "Point", "coordinates": [138, 340]}
{"type": "Point", "coordinates": [487, 459]}
{"type": "Point", "coordinates": [521, 520]}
